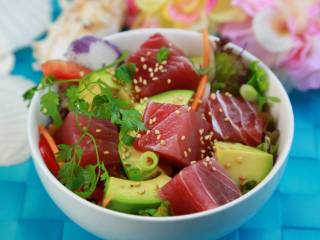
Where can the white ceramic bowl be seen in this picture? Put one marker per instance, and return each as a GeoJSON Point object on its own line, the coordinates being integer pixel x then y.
{"type": "Point", "coordinates": [210, 224]}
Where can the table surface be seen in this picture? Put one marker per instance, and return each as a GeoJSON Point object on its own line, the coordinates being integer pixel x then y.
{"type": "Point", "coordinates": [292, 213]}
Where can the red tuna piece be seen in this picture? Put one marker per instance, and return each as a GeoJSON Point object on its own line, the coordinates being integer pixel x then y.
{"type": "Point", "coordinates": [177, 134]}
{"type": "Point", "coordinates": [104, 132]}
{"type": "Point", "coordinates": [199, 187]}
{"type": "Point", "coordinates": [153, 77]}
{"type": "Point", "coordinates": [235, 119]}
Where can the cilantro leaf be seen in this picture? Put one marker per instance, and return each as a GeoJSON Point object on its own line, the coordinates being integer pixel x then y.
{"type": "Point", "coordinates": [50, 106]}
{"type": "Point", "coordinates": [89, 181]}
{"type": "Point", "coordinates": [75, 103]}
{"type": "Point", "coordinates": [125, 72]}
{"type": "Point", "coordinates": [162, 54]}
{"type": "Point", "coordinates": [162, 211]}
{"type": "Point", "coordinates": [69, 174]}
{"type": "Point", "coordinates": [28, 94]}
{"type": "Point", "coordinates": [47, 82]}
{"type": "Point", "coordinates": [246, 187]}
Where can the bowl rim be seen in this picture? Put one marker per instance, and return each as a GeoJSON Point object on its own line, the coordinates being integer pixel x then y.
{"type": "Point", "coordinates": [281, 159]}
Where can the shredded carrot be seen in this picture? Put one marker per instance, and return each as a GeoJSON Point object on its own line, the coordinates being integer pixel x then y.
{"type": "Point", "coordinates": [49, 139]}
{"type": "Point", "coordinates": [106, 201]}
{"type": "Point", "coordinates": [206, 61]}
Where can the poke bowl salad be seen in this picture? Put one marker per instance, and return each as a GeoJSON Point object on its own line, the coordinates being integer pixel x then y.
{"type": "Point", "coordinates": [156, 132]}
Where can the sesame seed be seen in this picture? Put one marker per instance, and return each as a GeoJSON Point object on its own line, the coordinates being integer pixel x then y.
{"type": "Point", "coordinates": [176, 111]}
{"type": "Point", "coordinates": [189, 150]}
{"type": "Point", "coordinates": [183, 137]}
{"type": "Point", "coordinates": [193, 162]}
{"type": "Point", "coordinates": [207, 159]}
{"type": "Point", "coordinates": [157, 64]}
{"type": "Point", "coordinates": [137, 89]}
{"type": "Point", "coordinates": [242, 178]}
{"type": "Point", "coordinates": [185, 153]}
{"type": "Point", "coordinates": [144, 82]}
{"type": "Point", "coordinates": [168, 80]}
{"type": "Point", "coordinates": [202, 155]}
{"type": "Point", "coordinates": [135, 81]}
{"type": "Point", "coordinates": [98, 130]}
{"type": "Point", "coordinates": [106, 152]}
{"type": "Point", "coordinates": [213, 96]}
{"type": "Point", "coordinates": [142, 59]}
{"type": "Point", "coordinates": [205, 163]}
{"type": "Point", "coordinates": [158, 137]}
{"type": "Point", "coordinates": [228, 94]}
{"type": "Point", "coordinates": [144, 66]}
{"type": "Point", "coordinates": [140, 79]}
{"type": "Point", "coordinates": [148, 53]}
{"type": "Point", "coordinates": [151, 74]}
{"type": "Point", "coordinates": [163, 142]}
{"type": "Point", "coordinates": [214, 168]}
{"type": "Point", "coordinates": [201, 131]}
{"type": "Point", "coordinates": [148, 131]}
{"type": "Point", "coordinates": [154, 78]}
{"type": "Point", "coordinates": [138, 135]}
{"type": "Point", "coordinates": [207, 137]}
{"type": "Point", "coordinates": [161, 67]}
{"type": "Point", "coordinates": [220, 110]}
{"type": "Point", "coordinates": [81, 73]}
{"type": "Point", "coordinates": [210, 113]}
{"type": "Point", "coordinates": [141, 191]}
{"type": "Point", "coordinates": [156, 69]}
{"type": "Point", "coordinates": [150, 69]}
{"type": "Point", "coordinates": [203, 151]}
{"type": "Point", "coordinates": [164, 62]}
{"type": "Point", "coordinates": [157, 131]}
{"type": "Point", "coordinates": [227, 165]}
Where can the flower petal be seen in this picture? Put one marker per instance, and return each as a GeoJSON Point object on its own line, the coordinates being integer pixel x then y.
{"type": "Point", "coordinates": [267, 33]}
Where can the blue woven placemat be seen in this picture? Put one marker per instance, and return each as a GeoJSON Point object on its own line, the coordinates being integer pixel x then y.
{"type": "Point", "coordinates": [292, 213]}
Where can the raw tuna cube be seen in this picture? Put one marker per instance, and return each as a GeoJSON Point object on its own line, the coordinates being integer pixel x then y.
{"type": "Point", "coordinates": [176, 133]}
{"type": "Point", "coordinates": [234, 119]}
{"type": "Point", "coordinates": [201, 186]}
{"type": "Point", "coordinates": [104, 132]}
{"type": "Point", "coordinates": [152, 77]}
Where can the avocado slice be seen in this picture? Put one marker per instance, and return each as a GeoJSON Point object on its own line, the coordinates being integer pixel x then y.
{"type": "Point", "coordinates": [138, 165]}
{"type": "Point", "coordinates": [243, 163]}
{"type": "Point", "coordinates": [179, 97]}
{"type": "Point", "coordinates": [89, 86]}
{"type": "Point", "coordinates": [132, 196]}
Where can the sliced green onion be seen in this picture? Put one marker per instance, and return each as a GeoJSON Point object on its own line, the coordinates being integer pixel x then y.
{"type": "Point", "coordinates": [248, 92]}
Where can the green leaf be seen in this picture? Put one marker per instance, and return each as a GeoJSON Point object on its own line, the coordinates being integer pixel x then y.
{"type": "Point", "coordinates": [69, 174]}
{"type": "Point", "coordinates": [47, 82]}
{"type": "Point", "coordinates": [28, 94]}
{"type": "Point", "coordinates": [125, 73]}
{"type": "Point", "coordinates": [75, 103]}
{"type": "Point", "coordinates": [89, 181]}
{"type": "Point", "coordinates": [50, 106]}
{"type": "Point", "coordinates": [162, 211]}
{"type": "Point", "coordinates": [246, 187]}
{"type": "Point", "coordinates": [162, 54]}
{"type": "Point", "coordinates": [65, 153]}
{"type": "Point", "coordinates": [104, 177]}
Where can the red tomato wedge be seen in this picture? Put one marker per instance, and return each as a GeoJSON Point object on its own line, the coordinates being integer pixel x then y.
{"type": "Point", "coordinates": [61, 69]}
{"type": "Point", "coordinates": [152, 77]}
{"type": "Point", "coordinates": [48, 156]}
{"type": "Point", "coordinates": [177, 134]}
{"type": "Point", "coordinates": [104, 132]}
{"type": "Point", "coordinates": [234, 119]}
{"type": "Point", "coordinates": [199, 187]}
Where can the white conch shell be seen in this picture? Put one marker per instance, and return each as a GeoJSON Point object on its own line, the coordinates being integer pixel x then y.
{"type": "Point", "coordinates": [21, 21]}
{"type": "Point", "coordinates": [6, 63]}
{"type": "Point", "coordinates": [14, 146]}
{"type": "Point", "coordinates": [80, 18]}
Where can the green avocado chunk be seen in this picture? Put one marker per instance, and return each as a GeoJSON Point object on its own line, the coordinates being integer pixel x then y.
{"type": "Point", "coordinates": [179, 97]}
{"type": "Point", "coordinates": [243, 163]}
{"type": "Point", "coordinates": [132, 196]}
{"type": "Point", "coordinates": [89, 86]}
{"type": "Point", "coordinates": [138, 165]}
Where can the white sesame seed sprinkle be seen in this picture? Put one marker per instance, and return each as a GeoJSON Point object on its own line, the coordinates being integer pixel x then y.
{"type": "Point", "coordinates": [98, 130]}
{"type": "Point", "coordinates": [183, 137]}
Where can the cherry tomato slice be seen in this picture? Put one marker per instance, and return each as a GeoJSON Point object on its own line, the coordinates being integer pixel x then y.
{"type": "Point", "coordinates": [61, 69]}
{"type": "Point", "coordinates": [48, 156]}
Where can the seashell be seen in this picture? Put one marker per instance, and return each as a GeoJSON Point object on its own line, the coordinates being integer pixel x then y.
{"type": "Point", "coordinates": [6, 63]}
{"type": "Point", "coordinates": [80, 18]}
{"type": "Point", "coordinates": [13, 118]}
{"type": "Point", "coordinates": [21, 22]}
